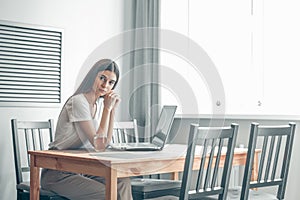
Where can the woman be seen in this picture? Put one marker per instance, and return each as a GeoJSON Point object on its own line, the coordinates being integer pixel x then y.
{"type": "Point", "coordinates": [89, 111]}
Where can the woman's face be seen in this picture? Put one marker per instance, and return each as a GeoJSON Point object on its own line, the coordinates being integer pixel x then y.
{"type": "Point", "coordinates": [104, 82]}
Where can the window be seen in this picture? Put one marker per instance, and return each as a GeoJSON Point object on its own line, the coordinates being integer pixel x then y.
{"type": "Point", "coordinates": [30, 65]}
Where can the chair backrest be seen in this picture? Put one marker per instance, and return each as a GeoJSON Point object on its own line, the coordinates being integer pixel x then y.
{"type": "Point", "coordinates": [274, 160]}
{"type": "Point", "coordinates": [29, 135]}
{"type": "Point", "coordinates": [125, 131]}
{"type": "Point", "coordinates": [207, 147]}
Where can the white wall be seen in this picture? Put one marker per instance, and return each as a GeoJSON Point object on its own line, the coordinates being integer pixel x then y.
{"type": "Point", "coordinates": [86, 25]}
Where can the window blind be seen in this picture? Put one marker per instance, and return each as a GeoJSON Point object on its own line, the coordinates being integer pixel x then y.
{"type": "Point", "coordinates": [30, 64]}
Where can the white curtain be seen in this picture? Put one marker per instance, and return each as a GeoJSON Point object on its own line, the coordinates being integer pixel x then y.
{"type": "Point", "coordinates": [140, 88]}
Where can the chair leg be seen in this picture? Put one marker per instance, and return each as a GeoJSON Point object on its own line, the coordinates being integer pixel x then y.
{"type": "Point", "coordinates": [23, 196]}
{"type": "Point", "coordinates": [19, 196]}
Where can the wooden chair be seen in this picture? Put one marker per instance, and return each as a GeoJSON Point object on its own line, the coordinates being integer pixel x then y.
{"type": "Point", "coordinates": [29, 135]}
{"type": "Point", "coordinates": [273, 163]}
{"type": "Point", "coordinates": [142, 187]}
{"type": "Point", "coordinates": [208, 145]}
{"type": "Point", "coordinates": [125, 131]}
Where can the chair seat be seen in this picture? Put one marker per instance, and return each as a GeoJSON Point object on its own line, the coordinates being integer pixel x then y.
{"type": "Point", "coordinates": [165, 198]}
{"type": "Point", "coordinates": [177, 198]}
{"type": "Point", "coordinates": [146, 185]}
{"type": "Point", "coordinates": [152, 188]}
{"type": "Point", "coordinates": [26, 186]}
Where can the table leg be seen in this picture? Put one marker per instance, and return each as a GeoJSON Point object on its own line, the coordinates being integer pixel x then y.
{"type": "Point", "coordinates": [34, 180]}
{"type": "Point", "coordinates": [111, 184]}
{"type": "Point", "coordinates": [255, 167]}
{"type": "Point", "coordinates": [174, 176]}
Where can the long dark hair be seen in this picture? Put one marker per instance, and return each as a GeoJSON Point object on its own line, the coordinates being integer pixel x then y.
{"type": "Point", "coordinates": [102, 65]}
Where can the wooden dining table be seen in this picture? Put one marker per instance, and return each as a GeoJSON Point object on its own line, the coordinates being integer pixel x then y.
{"type": "Point", "coordinates": [112, 164]}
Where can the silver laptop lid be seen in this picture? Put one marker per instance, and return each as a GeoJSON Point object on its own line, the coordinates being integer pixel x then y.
{"type": "Point", "coordinates": [164, 125]}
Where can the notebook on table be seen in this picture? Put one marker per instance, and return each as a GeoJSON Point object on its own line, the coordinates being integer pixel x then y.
{"type": "Point", "coordinates": [159, 137]}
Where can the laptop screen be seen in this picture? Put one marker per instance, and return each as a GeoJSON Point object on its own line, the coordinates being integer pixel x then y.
{"type": "Point", "coordinates": [164, 125]}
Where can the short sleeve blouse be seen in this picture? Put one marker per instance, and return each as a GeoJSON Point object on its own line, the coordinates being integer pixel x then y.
{"type": "Point", "coordinates": [67, 135]}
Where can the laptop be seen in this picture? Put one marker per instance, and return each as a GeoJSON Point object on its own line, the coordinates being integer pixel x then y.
{"type": "Point", "coordinates": [159, 138]}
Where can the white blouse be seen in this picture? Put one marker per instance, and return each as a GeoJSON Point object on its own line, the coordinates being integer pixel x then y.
{"type": "Point", "coordinates": [68, 134]}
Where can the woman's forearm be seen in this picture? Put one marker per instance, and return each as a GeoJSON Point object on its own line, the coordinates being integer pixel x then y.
{"type": "Point", "coordinates": [110, 125]}
{"type": "Point", "coordinates": [104, 123]}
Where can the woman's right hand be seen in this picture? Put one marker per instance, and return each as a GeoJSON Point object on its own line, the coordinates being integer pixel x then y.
{"type": "Point", "coordinates": [111, 100]}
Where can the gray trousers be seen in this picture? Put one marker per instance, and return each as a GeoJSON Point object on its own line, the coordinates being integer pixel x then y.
{"type": "Point", "coordinates": [78, 186]}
